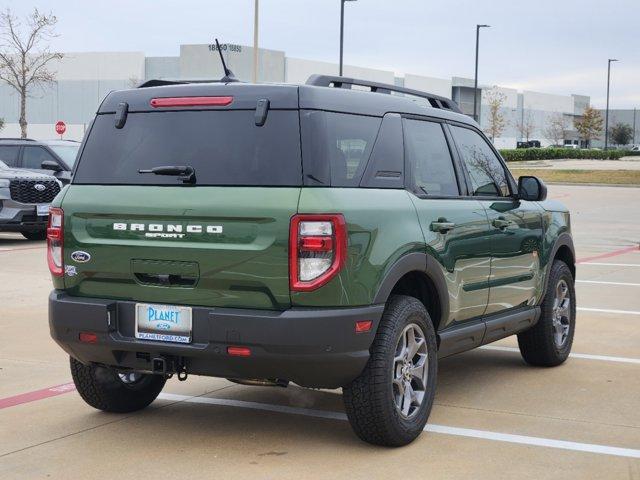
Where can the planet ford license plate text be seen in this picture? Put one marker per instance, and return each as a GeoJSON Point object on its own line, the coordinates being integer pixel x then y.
{"type": "Point", "coordinates": [164, 323]}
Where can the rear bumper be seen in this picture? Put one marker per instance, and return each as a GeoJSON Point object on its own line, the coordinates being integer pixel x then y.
{"type": "Point", "coordinates": [18, 217]}
{"type": "Point", "coordinates": [310, 347]}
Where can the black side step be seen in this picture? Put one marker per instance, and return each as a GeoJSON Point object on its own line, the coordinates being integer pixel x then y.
{"type": "Point", "coordinates": [469, 335]}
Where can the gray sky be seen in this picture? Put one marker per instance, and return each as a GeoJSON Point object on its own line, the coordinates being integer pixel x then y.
{"type": "Point", "coordinates": [558, 46]}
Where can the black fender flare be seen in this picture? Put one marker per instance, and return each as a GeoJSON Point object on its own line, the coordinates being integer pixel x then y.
{"type": "Point", "coordinates": [563, 240]}
{"type": "Point", "coordinates": [416, 262]}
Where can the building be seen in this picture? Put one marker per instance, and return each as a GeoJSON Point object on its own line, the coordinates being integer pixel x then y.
{"type": "Point", "coordinates": [629, 117]}
{"type": "Point", "coordinates": [83, 79]}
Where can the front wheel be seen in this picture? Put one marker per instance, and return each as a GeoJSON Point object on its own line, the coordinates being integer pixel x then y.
{"type": "Point", "coordinates": [111, 391]}
{"type": "Point", "coordinates": [390, 402]}
{"type": "Point", "coordinates": [548, 342]}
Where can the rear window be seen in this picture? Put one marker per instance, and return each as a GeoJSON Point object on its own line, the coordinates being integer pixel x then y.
{"type": "Point", "coordinates": [224, 148]}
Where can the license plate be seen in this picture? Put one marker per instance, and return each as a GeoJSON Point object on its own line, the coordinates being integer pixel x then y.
{"type": "Point", "coordinates": [42, 210]}
{"type": "Point", "coordinates": [163, 323]}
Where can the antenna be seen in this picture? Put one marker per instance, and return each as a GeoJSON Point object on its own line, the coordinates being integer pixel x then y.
{"type": "Point", "coordinates": [228, 74]}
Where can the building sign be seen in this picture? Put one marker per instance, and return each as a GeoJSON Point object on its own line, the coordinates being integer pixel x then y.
{"type": "Point", "coordinates": [226, 47]}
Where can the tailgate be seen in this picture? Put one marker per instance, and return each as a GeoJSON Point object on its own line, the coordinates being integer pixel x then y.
{"type": "Point", "coordinates": [209, 246]}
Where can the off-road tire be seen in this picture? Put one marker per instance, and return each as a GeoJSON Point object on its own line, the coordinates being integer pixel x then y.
{"type": "Point", "coordinates": [369, 400]}
{"type": "Point", "coordinates": [537, 344]}
{"type": "Point", "coordinates": [102, 388]}
{"type": "Point", "coordinates": [37, 235]}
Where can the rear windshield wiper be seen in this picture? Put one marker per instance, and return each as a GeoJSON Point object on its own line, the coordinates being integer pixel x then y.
{"type": "Point", "coordinates": [186, 172]}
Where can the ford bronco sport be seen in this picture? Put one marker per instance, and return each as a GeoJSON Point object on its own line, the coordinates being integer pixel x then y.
{"type": "Point", "coordinates": [318, 234]}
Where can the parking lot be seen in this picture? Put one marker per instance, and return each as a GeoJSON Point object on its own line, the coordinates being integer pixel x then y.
{"type": "Point", "coordinates": [494, 416]}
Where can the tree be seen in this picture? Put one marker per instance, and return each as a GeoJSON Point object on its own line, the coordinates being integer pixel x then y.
{"type": "Point", "coordinates": [1, 124]}
{"type": "Point", "coordinates": [589, 126]}
{"type": "Point", "coordinates": [526, 125]}
{"type": "Point", "coordinates": [24, 55]}
{"type": "Point", "coordinates": [621, 133]}
{"type": "Point", "coordinates": [556, 128]}
{"type": "Point", "coordinates": [495, 99]}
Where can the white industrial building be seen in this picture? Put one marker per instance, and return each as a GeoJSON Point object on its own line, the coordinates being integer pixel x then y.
{"type": "Point", "coordinates": [83, 79]}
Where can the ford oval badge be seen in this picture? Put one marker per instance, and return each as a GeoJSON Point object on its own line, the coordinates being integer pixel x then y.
{"type": "Point", "coordinates": [80, 256]}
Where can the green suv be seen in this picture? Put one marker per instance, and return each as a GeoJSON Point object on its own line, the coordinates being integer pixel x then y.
{"type": "Point", "coordinates": [330, 236]}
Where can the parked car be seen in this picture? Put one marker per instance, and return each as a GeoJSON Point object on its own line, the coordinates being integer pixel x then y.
{"type": "Point", "coordinates": [316, 234]}
{"type": "Point", "coordinates": [24, 201]}
{"type": "Point", "coordinates": [52, 157]}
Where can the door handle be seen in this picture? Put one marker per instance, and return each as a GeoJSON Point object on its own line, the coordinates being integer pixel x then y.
{"type": "Point", "coordinates": [501, 223]}
{"type": "Point", "coordinates": [442, 225]}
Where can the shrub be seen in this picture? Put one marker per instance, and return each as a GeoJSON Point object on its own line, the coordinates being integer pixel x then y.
{"type": "Point", "coordinates": [522, 154]}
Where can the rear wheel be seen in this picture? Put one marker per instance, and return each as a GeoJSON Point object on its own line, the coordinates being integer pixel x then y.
{"type": "Point", "coordinates": [108, 390]}
{"type": "Point", "coordinates": [548, 342]}
{"type": "Point", "coordinates": [37, 235]}
{"type": "Point", "coordinates": [389, 403]}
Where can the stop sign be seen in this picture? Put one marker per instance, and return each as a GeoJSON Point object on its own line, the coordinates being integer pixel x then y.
{"type": "Point", "coordinates": [61, 127]}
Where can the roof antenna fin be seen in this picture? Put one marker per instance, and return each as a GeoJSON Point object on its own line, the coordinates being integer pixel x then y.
{"type": "Point", "coordinates": [228, 74]}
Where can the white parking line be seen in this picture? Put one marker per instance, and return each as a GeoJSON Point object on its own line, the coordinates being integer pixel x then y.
{"type": "Point", "coordinates": [585, 356]}
{"type": "Point", "coordinates": [612, 264]}
{"type": "Point", "coordinates": [598, 282]}
{"type": "Point", "coordinates": [604, 310]}
{"type": "Point", "coordinates": [462, 432]}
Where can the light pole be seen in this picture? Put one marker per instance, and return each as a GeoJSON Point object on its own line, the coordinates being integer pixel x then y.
{"type": "Point", "coordinates": [475, 81]}
{"type": "Point", "coordinates": [606, 115]}
{"type": "Point", "coordinates": [342, 30]}
{"type": "Point", "coordinates": [255, 42]}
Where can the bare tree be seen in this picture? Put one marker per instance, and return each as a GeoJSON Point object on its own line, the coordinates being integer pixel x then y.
{"type": "Point", "coordinates": [133, 82]}
{"type": "Point", "coordinates": [556, 128]}
{"type": "Point", "coordinates": [526, 125]}
{"type": "Point", "coordinates": [589, 126]}
{"type": "Point", "coordinates": [24, 55]}
{"type": "Point", "coordinates": [495, 99]}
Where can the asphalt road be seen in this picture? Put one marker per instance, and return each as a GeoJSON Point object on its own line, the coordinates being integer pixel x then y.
{"type": "Point", "coordinates": [494, 417]}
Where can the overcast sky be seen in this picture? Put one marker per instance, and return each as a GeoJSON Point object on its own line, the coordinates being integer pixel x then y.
{"type": "Point", "coordinates": [554, 46]}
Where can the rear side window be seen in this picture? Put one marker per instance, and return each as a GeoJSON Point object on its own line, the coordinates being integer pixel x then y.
{"type": "Point", "coordinates": [9, 154]}
{"type": "Point", "coordinates": [336, 146]}
{"type": "Point", "coordinates": [488, 176]}
{"type": "Point", "coordinates": [430, 159]}
{"type": "Point", "coordinates": [224, 148]}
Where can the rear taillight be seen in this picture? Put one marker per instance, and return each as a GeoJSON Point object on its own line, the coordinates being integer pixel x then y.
{"type": "Point", "coordinates": [317, 250]}
{"type": "Point", "coordinates": [55, 241]}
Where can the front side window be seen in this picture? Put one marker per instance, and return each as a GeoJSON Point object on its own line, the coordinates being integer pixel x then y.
{"type": "Point", "coordinates": [430, 159]}
{"type": "Point", "coordinates": [32, 157]}
{"type": "Point", "coordinates": [488, 176]}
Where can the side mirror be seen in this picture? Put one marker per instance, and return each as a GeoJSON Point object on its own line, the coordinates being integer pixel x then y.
{"type": "Point", "coordinates": [50, 165]}
{"type": "Point", "coordinates": [532, 189]}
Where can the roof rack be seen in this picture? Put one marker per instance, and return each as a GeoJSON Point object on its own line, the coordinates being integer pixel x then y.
{"type": "Point", "coordinates": [435, 101]}
{"type": "Point", "coordinates": [17, 138]}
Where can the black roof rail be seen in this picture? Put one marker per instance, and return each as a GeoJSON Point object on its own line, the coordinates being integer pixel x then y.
{"type": "Point", "coordinates": [436, 101]}
{"type": "Point", "coordinates": [16, 138]}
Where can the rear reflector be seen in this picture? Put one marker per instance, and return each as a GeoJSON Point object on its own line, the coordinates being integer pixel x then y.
{"type": "Point", "coordinates": [190, 101]}
{"type": "Point", "coordinates": [88, 337]}
{"type": "Point", "coordinates": [363, 326]}
{"type": "Point", "coordinates": [239, 351]}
